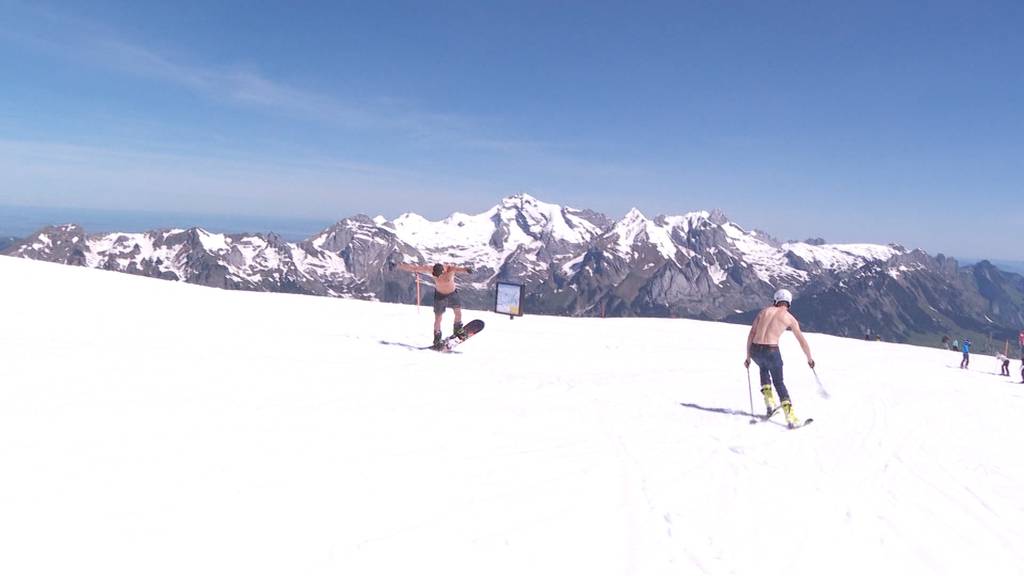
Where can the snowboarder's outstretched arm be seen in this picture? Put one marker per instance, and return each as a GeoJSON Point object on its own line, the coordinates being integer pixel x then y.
{"type": "Point", "coordinates": [415, 268]}
{"type": "Point", "coordinates": [429, 269]}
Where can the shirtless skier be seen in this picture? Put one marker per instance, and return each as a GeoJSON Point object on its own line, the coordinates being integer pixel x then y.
{"type": "Point", "coordinates": [763, 349]}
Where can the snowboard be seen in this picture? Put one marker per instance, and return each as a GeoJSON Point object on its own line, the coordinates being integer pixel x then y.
{"type": "Point", "coordinates": [472, 329]}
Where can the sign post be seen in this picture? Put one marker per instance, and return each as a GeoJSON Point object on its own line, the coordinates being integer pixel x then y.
{"type": "Point", "coordinates": [508, 299]}
{"type": "Point", "coordinates": [417, 293]}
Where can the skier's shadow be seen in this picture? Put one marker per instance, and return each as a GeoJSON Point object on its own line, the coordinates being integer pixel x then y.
{"type": "Point", "coordinates": [726, 411]}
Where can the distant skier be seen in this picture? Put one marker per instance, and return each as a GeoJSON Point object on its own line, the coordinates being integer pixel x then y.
{"type": "Point", "coordinates": [966, 349]}
{"type": "Point", "coordinates": [763, 348]}
{"type": "Point", "coordinates": [445, 295]}
{"type": "Point", "coordinates": [1005, 369]}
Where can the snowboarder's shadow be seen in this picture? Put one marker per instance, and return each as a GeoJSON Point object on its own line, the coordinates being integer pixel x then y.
{"type": "Point", "coordinates": [729, 412]}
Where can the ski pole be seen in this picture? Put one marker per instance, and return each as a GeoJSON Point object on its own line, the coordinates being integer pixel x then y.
{"type": "Point", "coordinates": [750, 392]}
{"type": "Point", "coordinates": [821, 389]}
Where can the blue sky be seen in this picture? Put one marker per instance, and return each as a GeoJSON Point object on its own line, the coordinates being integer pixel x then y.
{"type": "Point", "coordinates": [862, 121]}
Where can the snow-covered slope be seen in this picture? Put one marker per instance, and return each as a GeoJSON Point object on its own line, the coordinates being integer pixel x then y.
{"type": "Point", "coordinates": [160, 428]}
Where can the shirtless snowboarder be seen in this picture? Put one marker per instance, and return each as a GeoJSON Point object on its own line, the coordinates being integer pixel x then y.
{"type": "Point", "coordinates": [763, 348]}
{"type": "Point", "coordinates": [445, 294]}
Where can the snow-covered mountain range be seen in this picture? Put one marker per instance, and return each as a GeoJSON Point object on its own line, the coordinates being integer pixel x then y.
{"type": "Point", "coordinates": [574, 262]}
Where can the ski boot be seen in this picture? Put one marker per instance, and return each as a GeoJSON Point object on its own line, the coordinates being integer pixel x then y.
{"type": "Point", "coordinates": [769, 400]}
{"type": "Point", "coordinates": [437, 341]}
{"type": "Point", "coordinates": [791, 420]}
{"type": "Point", "coordinates": [459, 331]}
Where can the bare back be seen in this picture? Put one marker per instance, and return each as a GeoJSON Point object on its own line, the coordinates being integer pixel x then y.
{"type": "Point", "coordinates": [770, 324]}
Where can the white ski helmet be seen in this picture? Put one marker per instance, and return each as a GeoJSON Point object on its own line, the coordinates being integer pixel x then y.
{"type": "Point", "coordinates": [783, 295]}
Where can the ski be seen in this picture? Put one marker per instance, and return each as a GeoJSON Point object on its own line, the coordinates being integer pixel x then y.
{"type": "Point", "coordinates": [801, 425]}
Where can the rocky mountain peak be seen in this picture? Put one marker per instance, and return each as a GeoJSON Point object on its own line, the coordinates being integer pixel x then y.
{"type": "Point", "coordinates": [717, 216]}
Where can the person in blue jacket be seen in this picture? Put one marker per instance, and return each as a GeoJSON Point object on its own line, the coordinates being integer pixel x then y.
{"type": "Point", "coordinates": [966, 349]}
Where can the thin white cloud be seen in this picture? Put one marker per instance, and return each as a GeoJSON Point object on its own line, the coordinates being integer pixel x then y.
{"type": "Point", "coordinates": [478, 165]}
{"type": "Point", "coordinates": [238, 86]}
{"type": "Point", "coordinates": [93, 44]}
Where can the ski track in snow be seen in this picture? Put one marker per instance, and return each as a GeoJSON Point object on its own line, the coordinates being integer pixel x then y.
{"type": "Point", "coordinates": [161, 428]}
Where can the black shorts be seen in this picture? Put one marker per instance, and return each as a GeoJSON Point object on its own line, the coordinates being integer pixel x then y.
{"type": "Point", "coordinates": [443, 301]}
